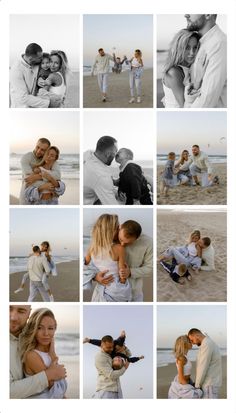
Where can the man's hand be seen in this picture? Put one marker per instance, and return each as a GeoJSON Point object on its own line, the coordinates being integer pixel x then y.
{"type": "Point", "coordinates": [101, 279]}
{"type": "Point", "coordinates": [55, 372]}
{"type": "Point", "coordinates": [125, 272]}
{"type": "Point", "coordinates": [32, 178]}
{"type": "Point", "coordinates": [55, 101]}
{"type": "Point", "coordinates": [47, 186]}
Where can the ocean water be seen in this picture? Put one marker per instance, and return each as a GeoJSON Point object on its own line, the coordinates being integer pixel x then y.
{"type": "Point", "coordinates": [166, 356]}
{"type": "Point", "coordinates": [67, 344]}
{"type": "Point", "coordinates": [162, 158]}
{"type": "Point", "coordinates": [69, 164]}
{"type": "Point", "coordinates": [18, 264]}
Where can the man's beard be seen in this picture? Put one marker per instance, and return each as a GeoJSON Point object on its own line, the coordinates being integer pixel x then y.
{"type": "Point", "coordinates": [197, 25]}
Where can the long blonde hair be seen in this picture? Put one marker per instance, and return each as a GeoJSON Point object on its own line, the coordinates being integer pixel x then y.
{"type": "Point", "coordinates": [180, 348]}
{"type": "Point", "coordinates": [103, 234]}
{"type": "Point", "coordinates": [178, 47]}
{"type": "Point", "coordinates": [195, 233]}
{"type": "Point", "coordinates": [28, 340]}
{"type": "Point", "coordinates": [64, 69]}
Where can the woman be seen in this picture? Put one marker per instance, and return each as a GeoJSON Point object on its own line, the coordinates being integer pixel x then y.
{"type": "Point", "coordinates": [181, 55]}
{"type": "Point", "coordinates": [38, 353]}
{"type": "Point", "coordinates": [135, 76]}
{"type": "Point", "coordinates": [182, 386]}
{"type": "Point", "coordinates": [184, 175]}
{"type": "Point", "coordinates": [45, 191]}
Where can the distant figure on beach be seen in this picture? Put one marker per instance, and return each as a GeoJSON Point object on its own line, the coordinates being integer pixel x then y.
{"type": "Point", "coordinates": [117, 68]}
{"type": "Point", "coordinates": [132, 182]}
{"type": "Point", "coordinates": [208, 364]}
{"type": "Point", "coordinates": [41, 176]}
{"type": "Point", "coordinates": [138, 262]}
{"type": "Point", "coordinates": [108, 380]}
{"type": "Point", "coordinates": [38, 269]}
{"type": "Point", "coordinates": [25, 386]}
{"type": "Point", "coordinates": [102, 66]}
{"type": "Point", "coordinates": [23, 81]}
{"type": "Point", "coordinates": [182, 387]}
{"type": "Point", "coordinates": [135, 76]}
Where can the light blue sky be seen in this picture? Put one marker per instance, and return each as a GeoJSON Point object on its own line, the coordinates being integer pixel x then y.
{"type": "Point", "coordinates": [137, 321]}
{"type": "Point", "coordinates": [176, 320]}
{"type": "Point", "coordinates": [180, 130]}
{"type": "Point", "coordinates": [125, 32]}
{"type": "Point", "coordinates": [34, 225]}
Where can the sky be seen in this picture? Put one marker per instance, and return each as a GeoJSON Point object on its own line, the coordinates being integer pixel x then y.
{"type": "Point", "coordinates": [51, 32]}
{"type": "Point", "coordinates": [176, 320]}
{"type": "Point", "coordinates": [180, 130]}
{"type": "Point", "coordinates": [32, 226]}
{"type": "Point", "coordinates": [118, 33]}
{"type": "Point", "coordinates": [132, 131]}
{"type": "Point", "coordinates": [67, 316]}
{"type": "Point", "coordinates": [61, 128]}
{"type": "Point", "coordinates": [169, 24]}
{"type": "Point", "coordinates": [137, 321]}
{"type": "Point", "coordinates": [144, 217]}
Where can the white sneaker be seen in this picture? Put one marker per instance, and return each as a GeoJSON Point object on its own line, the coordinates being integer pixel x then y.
{"type": "Point", "coordinates": [18, 290]}
{"type": "Point", "coordinates": [138, 99]}
{"type": "Point", "coordinates": [104, 99]}
{"type": "Point", "coordinates": [51, 298]}
{"type": "Point", "coordinates": [132, 100]}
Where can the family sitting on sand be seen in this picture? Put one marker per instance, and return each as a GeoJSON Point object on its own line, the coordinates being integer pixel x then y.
{"type": "Point", "coordinates": [35, 372]}
{"type": "Point", "coordinates": [198, 254]}
{"type": "Point", "coordinates": [118, 259]}
{"type": "Point", "coordinates": [101, 187]}
{"type": "Point", "coordinates": [111, 362]}
{"type": "Point", "coordinates": [39, 80]}
{"type": "Point", "coordinates": [102, 67]}
{"type": "Point", "coordinates": [187, 170]}
{"type": "Point", "coordinates": [41, 175]}
{"type": "Point", "coordinates": [195, 72]}
{"type": "Point", "coordinates": [208, 368]}
{"type": "Point", "coordinates": [40, 266]}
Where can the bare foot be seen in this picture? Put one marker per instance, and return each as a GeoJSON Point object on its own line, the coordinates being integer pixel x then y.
{"type": "Point", "coordinates": [141, 357]}
{"type": "Point", "coordinates": [122, 333]}
{"type": "Point", "coordinates": [86, 340]}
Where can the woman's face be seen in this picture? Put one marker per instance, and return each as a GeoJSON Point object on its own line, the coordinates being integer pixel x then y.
{"type": "Point", "coordinates": [46, 331]}
{"type": "Point", "coordinates": [51, 156]}
{"type": "Point", "coordinates": [55, 63]}
{"type": "Point", "coordinates": [195, 238]}
{"type": "Point", "coordinates": [191, 50]}
{"type": "Point", "coordinates": [185, 155]}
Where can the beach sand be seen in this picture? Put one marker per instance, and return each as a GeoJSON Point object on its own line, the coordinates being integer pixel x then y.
{"type": "Point", "coordinates": [196, 195]}
{"type": "Point", "coordinates": [65, 287]}
{"type": "Point", "coordinates": [70, 197]}
{"type": "Point", "coordinates": [147, 291]}
{"type": "Point", "coordinates": [173, 229]}
{"type": "Point", "coordinates": [71, 364]}
{"type": "Point", "coordinates": [166, 374]}
{"type": "Point", "coordinates": [72, 96]}
{"type": "Point", "coordinates": [118, 91]}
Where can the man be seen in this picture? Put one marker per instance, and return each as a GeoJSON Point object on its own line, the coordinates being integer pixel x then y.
{"type": "Point", "coordinates": [208, 254]}
{"type": "Point", "coordinates": [209, 71]}
{"type": "Point", "coordinates": [199, 164]}
{"type": "Point", "coordinates": [102, 66]}
{"type": "Point", "coordinates": [23, 81]}
{"type": "Point", "coordinates": [31, 159]}
{"type": "Point", "coordinates": [37, 267]}
{"type": "Point", "coordinates": [108, 383]}
{"type": "Point", "coordinates": [132, 181]}
{"type": "Point", "coordinates": [139, 263]}
{"type": "Point", "coordinates": [22, 387]}
{"type": "Point", "coordinates": [98, 183]}
{"type": "Point", "coordinates": [208, 364]}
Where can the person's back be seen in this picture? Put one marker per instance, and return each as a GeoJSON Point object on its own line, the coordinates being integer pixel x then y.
{"type": "Point", "coordinates": [108, 379]}
{"type": "Point", "coordinates": [208, 258]}
{"type": "Point", "coordinates": [133, 183]}
{"type": "Point", "coordinates": [37, 265]}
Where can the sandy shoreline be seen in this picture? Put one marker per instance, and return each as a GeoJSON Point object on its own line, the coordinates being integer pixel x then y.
{"type": "Point", "coordinates": [65, 287]}
{"type": "Point", "coordinates": [166, 374]}
{"type": "Point", "coordinates": [187, 195]}
{"type": "Point", "coordinates": [118, 91]}
{"type": "Point", "coordinates": [173, 229]}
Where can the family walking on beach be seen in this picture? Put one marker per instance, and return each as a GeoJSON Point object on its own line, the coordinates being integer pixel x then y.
{"type": "Point", "coordinates": [135, 65]}
{"type": "Point", "coordinates": [35, 372]}
{"type": "Point", "coordinates": [119, 258]}
{"type": "Point", "coordinates": [101, 187]}
{"type": "Point", "coordinates": [195, 72]}
{"type": "Point", "coordinates": [38, 79]}
{"type": "Point", "coordinates": [208, 379]}
{"type": "Point", "coordinates": [111, 363]}
{"type": "Point", "coordinates": [187, 170]}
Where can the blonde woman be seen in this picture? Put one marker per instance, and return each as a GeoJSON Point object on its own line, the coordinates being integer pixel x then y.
{"type": "Point", "coordinates": [182, 386]}
{"type": "Point", "coordinates": [108, 255]}
{"type": "Point", "coordinates": [38, 353]}
{"type": "Point", "coordinates": [135, 76]}
{"type": "Point", "coordinates": [182, 164]}
{"type": "Point", "coordinates": [181, 55]}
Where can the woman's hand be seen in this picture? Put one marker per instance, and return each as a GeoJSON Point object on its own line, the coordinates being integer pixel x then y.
{"type": "Point", "coordinates": [46, 187]}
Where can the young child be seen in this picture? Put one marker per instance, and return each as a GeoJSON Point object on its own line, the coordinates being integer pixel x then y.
{"type": "Point", "coordinates": [44, 69]}
{"type": "Point", "coordinates": [176, 271]}
{"type": "Point", "coordinates": [117, 68]}
{"type": "Point", "coordinates": [120, 353]}
{"type": "Point", "coordinates": [135, 75]}
{"type": "Point", "coordinates": [167, 176]}
{"type": "Point", "coordinates": [108, 255]}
